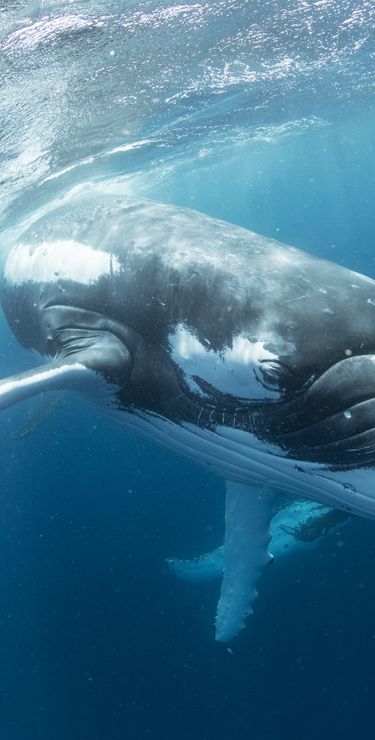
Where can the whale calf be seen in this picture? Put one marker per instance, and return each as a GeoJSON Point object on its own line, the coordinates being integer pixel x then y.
{"type": "Point", "coordinates": [248, 356]}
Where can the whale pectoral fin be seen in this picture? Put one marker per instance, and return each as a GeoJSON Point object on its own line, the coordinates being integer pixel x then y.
{"type": "Point", "coordinates": [98, 350]}
{"type": "Point", "coordinates": [248, 514]}
{"type": "Point", "coordinates": [52, 376]}
{"type": "Point", "coordinates": [90, 362]}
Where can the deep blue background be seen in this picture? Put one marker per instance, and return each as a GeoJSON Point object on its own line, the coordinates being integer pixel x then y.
{"type": "Point", "coordinates": [97, 641]}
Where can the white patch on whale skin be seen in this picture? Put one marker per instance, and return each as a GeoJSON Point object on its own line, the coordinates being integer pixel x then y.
{"type": "Point", "coordinates": [235, 371]}
{"type": "Point", "coordinates": [63, 259]}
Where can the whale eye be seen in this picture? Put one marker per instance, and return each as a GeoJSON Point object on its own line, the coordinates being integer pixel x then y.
{"type": "Point", "coordinates": [270, 371]}
{"type": "Point", "coordinates": [274, 373]}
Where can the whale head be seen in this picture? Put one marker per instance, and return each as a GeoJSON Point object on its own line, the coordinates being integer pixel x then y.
{"type": "Point", "coordinates": [222, 344]}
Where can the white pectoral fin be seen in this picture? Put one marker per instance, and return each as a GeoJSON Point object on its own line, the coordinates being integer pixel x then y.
{"type": "Point", "coordinates": [49, 377]}
{"type": "Point", "coordinates": [248, 514]}
{"type": "Point", "coordinates": [93, 362]}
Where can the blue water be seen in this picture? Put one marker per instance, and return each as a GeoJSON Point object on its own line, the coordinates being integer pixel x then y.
{"type": "Point", "coordinates": [261, 113]}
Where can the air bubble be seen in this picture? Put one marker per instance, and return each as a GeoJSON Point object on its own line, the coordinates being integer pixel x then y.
{"type": "Point", "coordinates": [348, 414]}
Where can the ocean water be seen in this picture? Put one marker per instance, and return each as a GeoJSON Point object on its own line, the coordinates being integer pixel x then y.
{"type": "Point", "coordinates": [261, 113]}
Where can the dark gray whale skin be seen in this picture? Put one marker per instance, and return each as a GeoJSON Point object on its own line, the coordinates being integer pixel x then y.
{"type": "Point", "coordinates": [174, 272]}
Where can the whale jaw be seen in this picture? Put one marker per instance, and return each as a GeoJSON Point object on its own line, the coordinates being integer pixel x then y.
{"type": "Point", "coordinates": [239, 456]}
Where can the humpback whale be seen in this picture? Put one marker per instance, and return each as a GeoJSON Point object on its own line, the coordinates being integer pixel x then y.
{"type": "Point", "coordinates": [248, 356]}
{"type": "Point", "coordinates": [296, 526]}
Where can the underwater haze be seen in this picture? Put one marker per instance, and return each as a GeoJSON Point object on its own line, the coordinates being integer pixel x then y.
{"type": "Point", "coordinates": [261, 113]}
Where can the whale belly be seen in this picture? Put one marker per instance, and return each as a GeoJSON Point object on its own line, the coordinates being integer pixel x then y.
{"type": "Point", "coordinates": [238, 455]}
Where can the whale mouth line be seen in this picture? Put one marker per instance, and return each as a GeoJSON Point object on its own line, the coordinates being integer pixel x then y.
{"type": "Point", "coordinates": [347, 439]}
{"type": "Point", "coordinates": [334, 446]}
{"type": "Point", "coordinates": [333, 422]}
{"type": "Point", "coordinates": [351, 414]}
